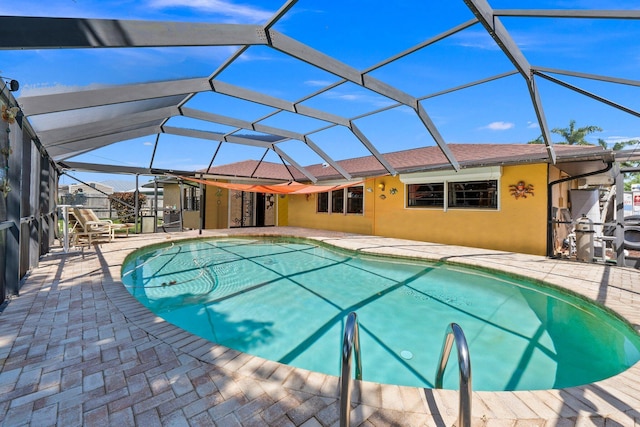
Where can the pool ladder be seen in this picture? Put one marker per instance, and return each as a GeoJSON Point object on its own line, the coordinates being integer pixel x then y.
{"type": "Point", "coordinates": [351, 340]}
{"type": "Point", "coordinates": [453, 334]}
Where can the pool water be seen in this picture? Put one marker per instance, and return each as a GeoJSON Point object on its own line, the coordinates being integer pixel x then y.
{"type": "Point", "coordinates": [287, 300]}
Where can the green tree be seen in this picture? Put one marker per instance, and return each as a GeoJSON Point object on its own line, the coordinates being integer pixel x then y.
{"type": "Point", "coordinates": [538, 140]}
{"type": "Point", "coordinates": [571, 135]}
{"type": "Point", "coordinates": [635, 179]}
{"type": "Point", "coordinates": [618, 145]}
{"type": "Point", "coordinates": [630, 178]}
{"type": "Point", "coordinates": [575, 136]}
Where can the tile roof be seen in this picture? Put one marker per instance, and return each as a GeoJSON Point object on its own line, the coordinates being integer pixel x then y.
{"type": "Point", "coordinates": [256, 169]}
{"type": "Point", "coordinates": [414, 160]}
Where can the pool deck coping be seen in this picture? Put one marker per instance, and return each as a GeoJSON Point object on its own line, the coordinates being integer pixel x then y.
{"type": "Point", "coordinates": [118, 363]}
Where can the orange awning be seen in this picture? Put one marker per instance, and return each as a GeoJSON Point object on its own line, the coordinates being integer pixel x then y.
{"type": "Point", "coordinates": [284, 188]}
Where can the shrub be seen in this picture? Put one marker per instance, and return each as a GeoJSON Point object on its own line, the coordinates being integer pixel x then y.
{"type": "Point", "coordinates": [123, 204]}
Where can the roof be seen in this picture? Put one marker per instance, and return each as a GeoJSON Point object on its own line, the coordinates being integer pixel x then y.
{"type": "Point", "coordinates": [424, 159]}
{"type": "Point", "coordinates": [119, 186]}
{"type": "Point", "coordinates": [218, 93]}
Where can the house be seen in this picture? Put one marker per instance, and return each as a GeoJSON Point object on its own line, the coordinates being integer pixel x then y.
{"type": "Point", "coordinates": [94, 195]}
{"type": "Point", "coordinates": [503, 197]}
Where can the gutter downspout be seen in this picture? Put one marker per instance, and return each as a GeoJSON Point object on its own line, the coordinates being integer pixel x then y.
{"type": "Point", "coordinates": [550, 202]}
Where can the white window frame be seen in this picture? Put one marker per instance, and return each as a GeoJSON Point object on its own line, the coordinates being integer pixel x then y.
{"type": "Point", "coordinates": [487, 173]}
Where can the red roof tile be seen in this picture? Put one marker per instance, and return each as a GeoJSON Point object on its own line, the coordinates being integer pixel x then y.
{"type": "Point", "coordinates": [413, 160]}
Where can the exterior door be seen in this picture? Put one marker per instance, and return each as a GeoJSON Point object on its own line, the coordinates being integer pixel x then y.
{"type": "Point", "coordinates": [251, 209]}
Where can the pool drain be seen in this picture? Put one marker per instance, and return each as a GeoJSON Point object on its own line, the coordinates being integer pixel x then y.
{"type": "Point", "coordinates": [406, 354]}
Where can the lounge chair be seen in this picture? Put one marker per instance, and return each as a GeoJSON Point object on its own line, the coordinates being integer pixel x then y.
{"type": "Point", "coordinates": [91, 215]}
{"type": "Point", "coordinates": [86, 228]}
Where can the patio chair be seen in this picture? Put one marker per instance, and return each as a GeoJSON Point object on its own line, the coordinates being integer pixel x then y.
{"type": "Point", "coordinates": [91, 215]}
{"type": "Point", "coordinates": [86, 228]}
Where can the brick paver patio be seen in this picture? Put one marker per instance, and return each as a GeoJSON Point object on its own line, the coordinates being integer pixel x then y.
{"type": "Point", "coordinates": [76, 349]}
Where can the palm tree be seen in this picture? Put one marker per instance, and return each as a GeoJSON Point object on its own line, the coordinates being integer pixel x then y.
{"type": "Point", "coordinates": [571, 135]}
{"type": "Point", "coordinates": [575, 136]}
{"type": "Point", "coordinates": [617, 145]}
{"type": "Point", "coordinates": [538, 140]}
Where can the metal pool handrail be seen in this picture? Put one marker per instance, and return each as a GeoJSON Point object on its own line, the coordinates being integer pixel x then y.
{"type": "Point", "coordinates": [454, 333]}
{"type": "Point", "coordinates": [351, 341]}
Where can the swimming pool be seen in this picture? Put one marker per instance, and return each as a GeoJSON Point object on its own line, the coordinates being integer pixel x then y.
{"type": "Point", "coordinates": [287, 300]}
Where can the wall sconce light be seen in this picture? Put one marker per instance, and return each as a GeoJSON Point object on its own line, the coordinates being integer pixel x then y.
{"type": "Point", "coordinates": [369, 190]}
{"type": "Point", "coordinates": [381, 186]}
{"type": "Point", "coordinates": [393, 191]}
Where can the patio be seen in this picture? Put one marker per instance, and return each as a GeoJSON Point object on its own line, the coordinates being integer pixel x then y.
{"type": "Point", "coordinates": [77, 349]}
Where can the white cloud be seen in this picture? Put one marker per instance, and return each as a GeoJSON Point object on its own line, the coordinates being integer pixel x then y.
{"type": "Point", "coordinates": [533, 125]}
{"type": "Point", "coordinates": [614, 139]}
{"type": "Point", "coordinates": [499, 126]}
{"type": "Point", "coordinates": [147, 143]}
{"type": "Point", "coordinates": [376, 101]}
{"type": "Point", "coordinates": [318, 83]}
{"type": "Point", "coordinates": [475, 39]}
{"type": "Point", "coordinates": [350, 97]}
{"type": "Point", "coordinates": [237, 12]}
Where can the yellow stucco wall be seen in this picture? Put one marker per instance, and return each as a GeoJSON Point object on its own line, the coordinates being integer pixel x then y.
{"type": "Point", "coordinates": [518, 225]}
{"type": "Point", "coordinates": [216, 208]}
{"type": "Point", "coordinates": [302, 213]}
{"type": "Point", "coordinates": [282, 205]}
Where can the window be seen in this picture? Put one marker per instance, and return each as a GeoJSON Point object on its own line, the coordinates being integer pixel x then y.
{"type": "Point", "coordinates": [473, 188]}
{"type": "Point", "coordinates": [471, 194]}
{"type": "Point", "coordinates": [425, 195]}
{"type": "Point", "coordinates": [474, 194]}
{"type": "Point", "coordinates": [349, 200]}
{"type": "Point", "coordinates": [323, 202]}
{"type": "Point", "coordinates": [355, 199]}
{"type": "Point", "coordinates": [191, 198]}
{"type": "Point", "coordinates": [337, 201]}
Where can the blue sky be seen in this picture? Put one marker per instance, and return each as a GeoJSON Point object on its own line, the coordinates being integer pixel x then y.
{"type": "Point", "coordinates": [360, 34]}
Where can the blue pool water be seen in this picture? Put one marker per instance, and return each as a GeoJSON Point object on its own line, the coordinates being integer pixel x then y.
{"type": "Point", "coordinates": [287, 300]}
